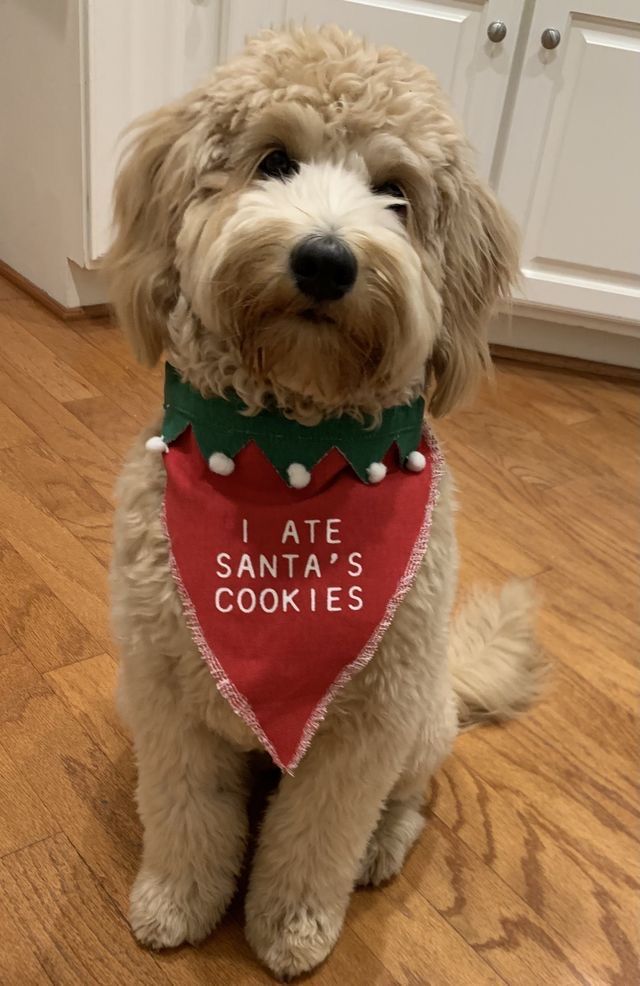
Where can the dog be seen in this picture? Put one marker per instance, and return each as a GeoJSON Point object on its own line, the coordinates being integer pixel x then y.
{"type": "Point", "coordinates": [318, 144]}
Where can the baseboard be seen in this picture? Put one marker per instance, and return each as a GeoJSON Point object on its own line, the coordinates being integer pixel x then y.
{"type": "Point", "coordinates": [68, 314]}
{"type": "Point", "coordinates": [563, 335]}
{"type": "Point", "coordinates": [557, 362]}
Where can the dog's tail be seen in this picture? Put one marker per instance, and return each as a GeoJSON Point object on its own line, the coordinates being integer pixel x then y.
{"type": "Point", "coordinates": [496, 666]}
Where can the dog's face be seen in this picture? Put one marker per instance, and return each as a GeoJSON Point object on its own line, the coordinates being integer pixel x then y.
{"type": "Point", "coordinates": [308, 264]}
{"type": "Point", "coordinates": [307, 225]}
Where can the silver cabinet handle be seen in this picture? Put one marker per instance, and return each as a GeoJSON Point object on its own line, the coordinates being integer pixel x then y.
{"type": "Point", "coordinates": [550, 38]}
{"type": "Point", "coordinates": [497, 31]}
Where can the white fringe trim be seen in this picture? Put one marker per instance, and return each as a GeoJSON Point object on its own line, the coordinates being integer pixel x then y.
{"type": "Point", "coordinates": [225, 686]}
{"type": "Point", "coordinates": [405, 583]}
{"type": "Point", "coordinates": [237, 700]}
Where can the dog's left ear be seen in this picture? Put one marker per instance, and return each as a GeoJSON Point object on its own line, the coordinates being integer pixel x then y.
{"type": "Point", "coordinates": [480, 263]}
{"type": "Point", "coordinates": [151, 190]}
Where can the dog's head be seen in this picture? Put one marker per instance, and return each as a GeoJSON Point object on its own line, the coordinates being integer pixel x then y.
{"type": "Point", "coordinates": [308, 226]}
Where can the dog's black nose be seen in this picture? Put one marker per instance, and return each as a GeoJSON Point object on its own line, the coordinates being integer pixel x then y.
{"type": "Point", "coordinates": [323, 267]}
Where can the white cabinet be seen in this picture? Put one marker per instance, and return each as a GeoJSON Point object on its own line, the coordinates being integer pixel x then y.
{"type": "Point", "coordinates": [557, 131]}
{"type": "Point", "coordinates": [449, 36]}
{"type": "Point", "coordinates": [571, 166]}
{"type": "Point", "coordinates": [139, 54]}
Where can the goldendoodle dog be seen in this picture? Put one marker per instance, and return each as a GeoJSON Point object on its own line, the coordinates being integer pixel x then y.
{"type": "Point", "coordinates": [305, 239]}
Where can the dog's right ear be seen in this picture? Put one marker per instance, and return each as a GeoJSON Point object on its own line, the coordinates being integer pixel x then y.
{"type": "Point", "coordinates": [480, 264]}
{"type": "Point", "coordinates": [155, 179]}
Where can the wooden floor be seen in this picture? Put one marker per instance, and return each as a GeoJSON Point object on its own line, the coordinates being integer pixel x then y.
{"type": "Point", "coordinates": [529, 868]}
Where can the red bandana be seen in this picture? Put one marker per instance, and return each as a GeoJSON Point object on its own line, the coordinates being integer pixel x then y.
{"type": "Point", "coordinates": [288, 592]}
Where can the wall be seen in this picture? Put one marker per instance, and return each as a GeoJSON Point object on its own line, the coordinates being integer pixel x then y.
{"type": "Point", "coordinates": [73, 74]}
{"type": "Point", "coordinates": [41, 168]}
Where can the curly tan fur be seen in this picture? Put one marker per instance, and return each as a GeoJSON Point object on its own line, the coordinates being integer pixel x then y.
{"type": "Point", "coordinates": [198, 264]}
{"type": "Point", "coordinates": [199, 268]}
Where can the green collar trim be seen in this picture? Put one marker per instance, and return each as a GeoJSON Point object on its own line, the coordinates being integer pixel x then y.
{"type": "Point", "coordinates": [219, 426]}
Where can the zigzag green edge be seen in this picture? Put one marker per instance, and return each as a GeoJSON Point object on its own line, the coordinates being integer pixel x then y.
{"type": "Point", "coordinates": [220, 426]}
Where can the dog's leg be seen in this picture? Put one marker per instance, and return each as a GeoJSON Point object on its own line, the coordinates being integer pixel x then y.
{"type": "Point", "coordinates": [399, 827]}
{"type": "Point", "coordinates": [314, 835]}
{"type": "Point", "coordinates": [402, 820]}
{"type": "Point", "coordinates": [192, 803]}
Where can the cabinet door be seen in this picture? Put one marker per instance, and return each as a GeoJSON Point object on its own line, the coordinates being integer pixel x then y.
{"type": "Point", "coordinates": [137, 56]}
{"type": "Point", "coordinates": [571, 166]}
{"type": "Point", "coordinates": [450, 37]}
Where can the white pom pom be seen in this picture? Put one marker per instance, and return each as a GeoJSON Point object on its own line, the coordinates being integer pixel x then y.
{"type": "Point", "coordinates": [299, 477]}
{"type": "Point", "coordinates": [416, 461]}
{"type": "Point", "coordinates": [156, 444]}
{"type": "Point", "coordinates": [376, 472]}
{"type": "Point", "coordinates": [221, 464]}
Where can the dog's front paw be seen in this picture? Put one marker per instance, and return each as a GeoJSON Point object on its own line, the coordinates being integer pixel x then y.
{"type": "Point", "coordinates": [291, 938]}
{"type": "Point", "coordinates": [164, 914]}
{"type": "Point", "coordinates": [397, 830]}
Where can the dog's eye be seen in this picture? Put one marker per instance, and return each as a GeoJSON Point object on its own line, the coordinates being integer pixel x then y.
{"type": "Point", "coordinates": [278, 164]}
{"type": "Point", "coordinates": [394, 190]}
